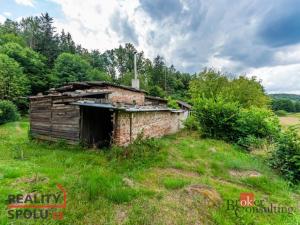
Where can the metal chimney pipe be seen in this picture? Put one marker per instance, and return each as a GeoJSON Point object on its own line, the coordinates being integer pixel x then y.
{"type": "Point", "coordinates": [135, 69]}
{"type": "Point", "coordinates": [135, 83]}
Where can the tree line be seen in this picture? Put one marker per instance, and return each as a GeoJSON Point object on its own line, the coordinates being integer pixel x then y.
{"type": "Point", "coordinates": [286, 105]}
{"type": "Point", "coordinates": [35, 57]}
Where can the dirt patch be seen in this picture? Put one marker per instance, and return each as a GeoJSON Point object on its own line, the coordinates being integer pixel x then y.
{"type": "Point", "coordinates": [213, 149]}
{"type": "Point", "coordinates": [243, 174]}
{"type": "Point", "coordinates": [29, 180]}
{"type": "Point", "coordinates": [211, 196]}
{"type": "Point", "coordinates": [189, 206]}
{"type": "Point", "coordinates": [121, 214]}
{"type": "Point", "coordinates": [128, 182]}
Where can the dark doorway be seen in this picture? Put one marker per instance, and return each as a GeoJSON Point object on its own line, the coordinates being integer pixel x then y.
{"type": "Point", "coordinates": [96, 126]}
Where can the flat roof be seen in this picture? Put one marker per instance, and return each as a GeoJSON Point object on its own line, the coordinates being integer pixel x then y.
{"type": "Point", "coordinates": [124, 108]}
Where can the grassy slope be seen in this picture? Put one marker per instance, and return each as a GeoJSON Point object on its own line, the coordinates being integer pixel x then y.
{"type": "Point", "coordinates": [97, 194]}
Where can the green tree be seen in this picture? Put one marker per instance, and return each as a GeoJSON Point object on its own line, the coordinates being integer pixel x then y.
{"type": "Point", "coordinates": [10, 37]}
{"type": "Point", "coordinates": [47, 41]}
{"type": "Point", "coordinates": [32, 64]}
{"type": "Point", "coordinates": [158, 72]}
{"type": "Point", "coordinates": [297, 106]}
{"type": "Point", "coordinates": [98, 75]}
{"type": "Point", "coordinates": [30, 30]}
{"type": "Point", "coordinates": [156, 91]}
{"type": "Point", "coordinates": [70, 68]}
{"type": "Point", "coordinates": [283, 104]}
{"type": "Point", "coordinates": [66, 43]}
{"type": "Point", "coordinates": [247, 91]}
{"type": "Point", "coordinates": [13, 83]}
{"type": "Point", "coordinates": [9, 26]}
{"type": "Point", "coordinates": [208, 84]}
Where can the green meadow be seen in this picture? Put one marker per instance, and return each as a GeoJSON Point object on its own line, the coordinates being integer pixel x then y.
{"type": "Point", "coordinates": [185, 180]}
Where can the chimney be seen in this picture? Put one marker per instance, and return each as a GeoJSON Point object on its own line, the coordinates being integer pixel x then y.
{"type": "Point", "coordinates": [135, 83]}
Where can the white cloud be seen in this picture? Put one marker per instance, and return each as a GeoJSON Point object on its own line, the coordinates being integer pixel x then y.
{"type": "Point", "coordinates": [90, 24]}
{"type": "Point", "coordinates": [279, 79]}
{"type": "Point", "coordinates": [189, 34]}
{"type": "Point", "coordinates": [25, 2]}
{"type": "Point", "coordinates": [2, 18]}
{"type": "Point", "coordinates": [8, 14]}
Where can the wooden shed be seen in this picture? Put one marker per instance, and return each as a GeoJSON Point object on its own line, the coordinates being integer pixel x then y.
{"type": "Point", "coordinates": [100, 114]}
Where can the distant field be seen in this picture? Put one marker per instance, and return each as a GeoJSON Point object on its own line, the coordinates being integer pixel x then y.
{"type": "Point", "coordinates": [291, 120]}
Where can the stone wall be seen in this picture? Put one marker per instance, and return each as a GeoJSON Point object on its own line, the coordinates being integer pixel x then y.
{"type": "Point", "coordinates": [125, 96]}
{"type": "Point", "coordinates": [151, 124]}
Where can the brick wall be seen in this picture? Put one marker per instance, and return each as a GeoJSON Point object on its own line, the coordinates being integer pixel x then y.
{"type": "Point", "coordinates": [151, 124]}
{"type": "Point", "coordinates": [126, 96]}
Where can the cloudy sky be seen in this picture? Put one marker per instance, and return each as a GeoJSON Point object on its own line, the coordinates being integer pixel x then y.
{"type": "Point", "coordinates": [252, 37]}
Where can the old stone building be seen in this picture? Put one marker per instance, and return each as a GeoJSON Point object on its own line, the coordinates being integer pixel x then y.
{"type": "Point", "coordinates": [101, 113]}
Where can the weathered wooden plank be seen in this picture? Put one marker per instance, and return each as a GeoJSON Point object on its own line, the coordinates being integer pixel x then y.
{"type": "Point", "coordinates": [64, 100]}
{"type": "Point", "coordinates": [41, 126]}
{"type": "Point", "coordinates": [64, 107]}
{"type": "Point", "coordinates": [53, 139]}
{"type": "Point", "coordinates": [57, 133]}
{"type": "Point", "coordinates": [40, 123]}
{"type": "Point", "coordinates": [62, 120]}
{"type": "Point", "coordinates": [70, 109]}
{"type": "Point", "coordinates": [62, 113]}
{"type": "Point", "coordinates": [40, 109]}
{"type": "Point", "coordinates": [70, 136]}
{"type": "Point", "coordinates": [65, 127]}
{"type": "Point", "coordinates": [40, 120]}
{"type": "Point", "coordinates": [39, 114]}
{"type": "Point", "coordinates": [41, 102]}
{"type": "Point", "coordinates": [39, 131]}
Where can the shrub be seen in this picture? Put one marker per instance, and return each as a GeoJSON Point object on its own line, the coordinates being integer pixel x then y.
{"type": "Point", "coordinates": [191, 123]}
{"type": "Point", "coordinates": [286, 156]}
{"type": "Point", "coordinates": [255, 124]}
{"type": "Point", "coordinates": [248, 127]}
{"type": "Point", "coordinates": [8, 112]}
{"type": "Point", "coordinates": [217, 118]}
{"type": "Point", "coordinates": [172, 103]}
{"type": "Point", "coordinates": [281, 113]}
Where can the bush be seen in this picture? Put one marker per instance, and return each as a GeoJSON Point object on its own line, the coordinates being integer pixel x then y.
{"type": "Point", "coordinates": [255, 124]}
{"type": "Point", "coordinates": [191, 123]}
{"type": "Point", "coordinates": [8, 112]}
{"type": "Point", "coordinates": [286, 156]}
{"type": "Point", "coordinates": [172, 103]}
{"type": "Point", "coordinates": [217, 118]}
{"type": "Point", "coordinates": [227, 120]}
{"type": "Point", "coordinates": [281, 113]}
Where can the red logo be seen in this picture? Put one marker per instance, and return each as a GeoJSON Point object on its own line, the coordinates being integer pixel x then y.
{"type": "Point", "coordinates": [247, 199]}
{"type": "Point", "coordinates": [19, 207]}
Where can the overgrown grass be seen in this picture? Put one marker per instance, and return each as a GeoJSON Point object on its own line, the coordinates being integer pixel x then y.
{"type": "Point", "coordinates": [174, 183]}
{"type": "Point", "coordinates": [143, 184]}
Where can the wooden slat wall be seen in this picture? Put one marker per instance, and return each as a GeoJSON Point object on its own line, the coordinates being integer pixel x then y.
{"type": "Point", "coordinates": [52, 118]}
